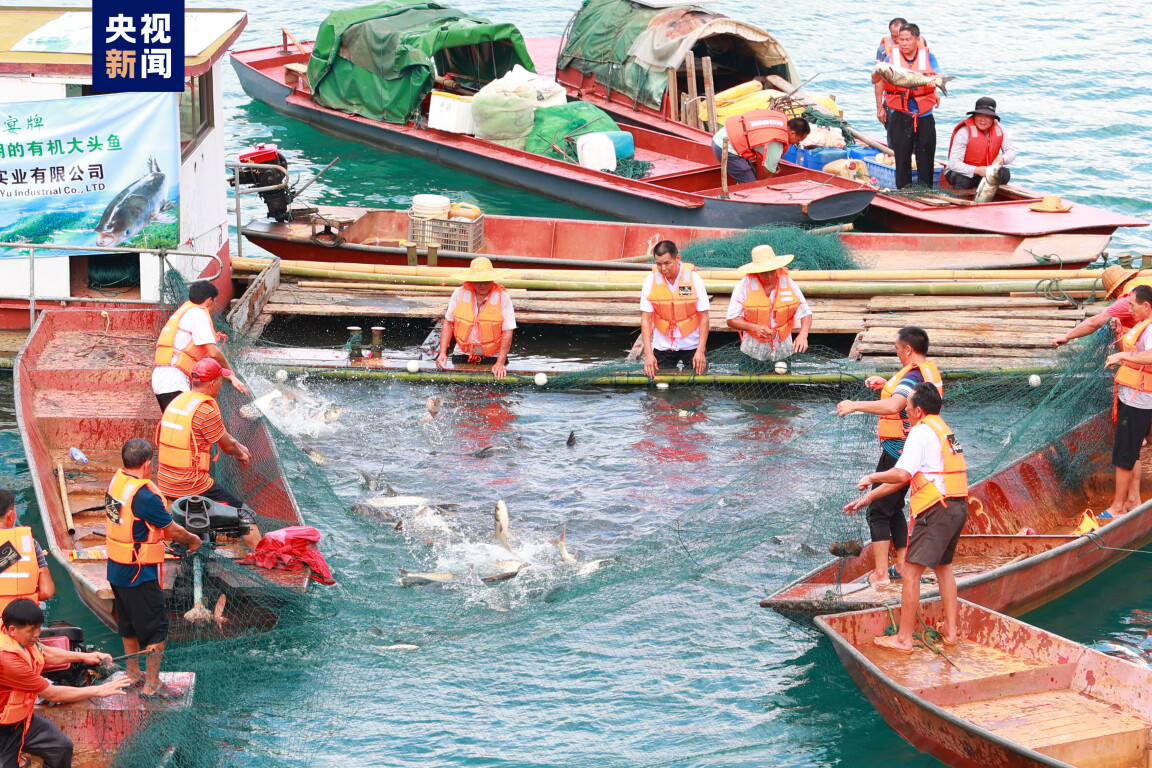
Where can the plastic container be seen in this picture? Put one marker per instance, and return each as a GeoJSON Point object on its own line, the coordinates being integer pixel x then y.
{"type": "Point", "coordinates": [818, 157]}
{"type": "Point", "coordinates": [261, 153]}
{"type": "Point", "coordinates": [860, 152]}
{"type": "Point", "coordinates": [596, 152]}
{"type": "Point", "coordinates": [885, 175]}
{"type": "Point", "coordinates": [78, 455]}
{"type": "Point", "coordinates": [465, 211]}
{"type": "Point", "coordinates": [431, 206]}
{"type": "Point", "coordinates": [451, 113]}
{"type": "Point", "coordinates": [624, 143]}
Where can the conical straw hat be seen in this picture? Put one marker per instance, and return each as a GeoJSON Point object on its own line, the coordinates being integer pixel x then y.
{"type": "Point", "coordinates": [1051, 204]}
{"type": "Point", "coordinates": [1115, 277]}
{"type": "Point", "coordinates": [764, 259]}
{"type": "Point", "coordinates": [482, 271]}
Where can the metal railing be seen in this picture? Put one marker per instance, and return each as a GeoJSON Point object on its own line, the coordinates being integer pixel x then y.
{"type": "Point", "coordinates": [163, 253]}
{"type": "Point", "coordinates": [240, 190]}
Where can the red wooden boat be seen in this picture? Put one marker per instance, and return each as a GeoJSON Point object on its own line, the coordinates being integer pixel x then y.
{"type": "Point", "coordinates": [684, 186]}
{"type": "Point", "coordinates": [374, 236]}
{"type": "Point", "coordinates": [83, 379]}
{"type": "Point", "coordinates": [1013, 696]}
{"type": "Point", "coordinates": [995, 567]}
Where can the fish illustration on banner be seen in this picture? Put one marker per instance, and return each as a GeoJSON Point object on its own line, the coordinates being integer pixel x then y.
{"type": "Point", "coordinates": [93, 170]}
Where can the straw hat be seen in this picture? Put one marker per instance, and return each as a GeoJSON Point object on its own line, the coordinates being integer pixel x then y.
{"type": "Point", "coordinates": [764, 259]}
{"type": "Point", "coordinates": [480, 270]}
{"type": "Point", "coordinates": [1115, 277]}
{"type": "Point", "coordinates": [1051, 204]}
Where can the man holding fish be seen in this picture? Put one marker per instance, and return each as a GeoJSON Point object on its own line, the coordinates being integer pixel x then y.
{"type": "Point", "coordinates": [910, 81]}
{"type": "Point", "coordinates": [980, 150]}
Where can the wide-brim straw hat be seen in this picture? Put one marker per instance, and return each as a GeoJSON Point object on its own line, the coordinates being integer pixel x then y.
{"type": "Point", "coordinates": [1115, 277]}
{"type": "Point", "coordinates": [480, 270]}
{"type": "Point", "coordinates": [764, 259]}
{"type": "Point", "coordinates": [1051, 204]}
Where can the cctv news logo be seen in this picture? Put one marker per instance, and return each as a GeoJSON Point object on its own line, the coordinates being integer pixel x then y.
{"type": "Point", "coordinates": [138, 47]}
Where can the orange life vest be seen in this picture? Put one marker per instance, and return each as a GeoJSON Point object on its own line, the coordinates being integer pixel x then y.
{"type": "Point", "coordinates": [890, 44]}
{"type": "Point", "coordinates": [982, 147]}
{"type": "Point", "coordinates": [673, 312]}
{"type": "Point", "coordinates": [22, 578]}
{"type": "Point", "coordinates": [924, 493]}
{"type": "Point", "coordinates": [17, 706]}
{"type": "Point", "coordinates": [122, 546]}
{"type": "Point", "coordinates": [178, 447]}
{"type": "Point", "coordinates": [490, 319]}
{"type": "Point", "coordinates": [779, 312]}
{"type": "Point", "coordinates": [893, 426]}
{"type": "Point", "coordinates": [166, 352]}
{"type": "Point", "coordinates": [897, 98]}
{"type": "Point", "coordinates": [756, 128]}
{"type": "Point", "coordinates": [1138, 377]}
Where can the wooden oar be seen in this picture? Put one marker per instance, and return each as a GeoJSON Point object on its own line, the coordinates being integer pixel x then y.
{"type": "Point", "coordinates": [67, 507]}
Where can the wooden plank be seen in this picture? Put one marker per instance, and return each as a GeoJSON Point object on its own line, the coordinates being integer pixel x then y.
{"type": "Point", "coordinates": [692, 117]}
{"type": "Point", "coordinates": [943, 350]}
{"type": "Point", "coordinates": [957, 339]}
{"type": "Point", "coordinates": [1000, 325]}
{"type": "Point", "coordinates": [245, 311]}
{"type": "Point", "coordinates": [673, 96]}
{"type": "Point", "coordinates": [709, 94]}
{"type": "Point", "coordinates": [906, 303]}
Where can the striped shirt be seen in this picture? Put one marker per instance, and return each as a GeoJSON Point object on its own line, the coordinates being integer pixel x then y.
{"type": "Point", "coordinates": [207, 428]}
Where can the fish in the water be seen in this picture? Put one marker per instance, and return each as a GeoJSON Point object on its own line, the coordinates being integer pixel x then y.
{"type": "Point", "coordinates": [375, 482]}
{"type": "Point", "coordinates": [501, 517]}
{"type": "Point", "coordinates": [329, 414]}
{"type": "Point", "coordinates": [391, 507]}
{"type": "Point", "coordinates": [260, 405]}
{"type": "Point", "coordinates": [990, 183]}
{"type": "Point", "coordinates": [486, 451]}
{"type": "Point", "coordinates": [433, 407]}
{"type": "Point", "coordinates": [312, 453]}
{"type": "Point", "coordinates": [400, 647]}
{"type": "Point", "coordinates": [910, 78]}
{"type": "Point", "coordinates": [559, 542]}
{"type": "Point", "coordinates": [571, 441]}
{"type": "Point", "coordinates": [410, 579]}
{"type": "Point", "coordinates": [134, 208]}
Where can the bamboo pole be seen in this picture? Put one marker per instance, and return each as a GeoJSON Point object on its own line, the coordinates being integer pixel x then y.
{"type": "Point", "coordinates": [673, 96]}
{"type": "Point", "coordinates": [724, 168]}
{"type": "Point", "coordinates": [64, 500]}
{"type": "Point", "coordinates": [709, 94]}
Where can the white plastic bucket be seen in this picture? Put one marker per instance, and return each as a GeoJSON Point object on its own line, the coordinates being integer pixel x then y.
{"type": "Point", "coordinates": [431, 206]}
{"type": "Point", "coordinates": [596, 151]}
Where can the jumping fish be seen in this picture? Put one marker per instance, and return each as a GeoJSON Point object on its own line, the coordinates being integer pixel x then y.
{"type": "Point", "coordinates": [501, 517]}
{"type": "Point", "coordinates": [135, 206]}
{"type": "Point", "coordinates": [260, 405]}
{"type": "Point", "coordinates": [433, 407]}
{"type": "Point", "coordinates": [410, 579]}
{"type": "Point", "coordinates": [990, 183]}
{"type": "Point", "coordinates": [559, 542]}
{"type": "Point", "coordinates": [910, 78]}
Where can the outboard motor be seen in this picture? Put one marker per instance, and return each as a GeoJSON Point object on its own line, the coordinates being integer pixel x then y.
{"type": "Point", "coordinates": [277, 200]}
{"type": "Point", "coordinates": [66, 637]}
{"type": "Point", "coordinates": [208, 519]}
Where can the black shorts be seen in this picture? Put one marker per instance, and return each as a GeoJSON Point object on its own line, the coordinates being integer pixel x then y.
{"type": "Point", "coordinates": [1132, 425]}
{"type": "Point", "coordinates": [221, 494]}
{"type": "Point", "coordinates": [886, 514]}
{"type": "Point", "coordinates": [669, 358]}
{"type": "Point", "coordinates": [141, 613]}
{"type": "Point", "coordinates": [936, 533]}
{"type": "Point", "coordinates": [464, 360]}
{"type": "Point", "coordinates": [166, 397]}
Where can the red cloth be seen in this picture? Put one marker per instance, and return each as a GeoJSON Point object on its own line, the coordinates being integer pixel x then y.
{"type": "Point", "coordinates": [292, 548]}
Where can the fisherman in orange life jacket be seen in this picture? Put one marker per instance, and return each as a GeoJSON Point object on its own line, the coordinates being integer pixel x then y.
{"type": "Point", "coordinates": [190, 425]}
{"type": "Point", "coordinates": [188, 337]}
{"type": "Point", "coordinates": [28, 577]}
{"type": "Point", "coordinates": [887, 43]}
{"type": "Point", "coordinates": [976, 142]}
{"type": "Point", "coordinates": [757, 140]}
{"type": "Point", "coordinates": [907, 112]}
{"type": "Point", "coordinates": [766, 304]}
{"type": "Point", "coordinates": [1133, 406]}
{"type": "Point", "coordinates": [480, 318]}
{"type": "Point", "coordinates": [886, 513]}
{"type": "Point", "coordinates": [138, 523]}
{"type": "Point", "coordinates": [673, 313]}
{"type": "Point", "coordinates": [1118, 282]}
{"type": "Point", "coordinates": [22, 660]}
{"type": "Point", "coordinates": [933, 465]}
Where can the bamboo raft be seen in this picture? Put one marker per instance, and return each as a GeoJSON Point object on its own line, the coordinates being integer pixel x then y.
{"type": "Point", "coordinates": [976, 319]}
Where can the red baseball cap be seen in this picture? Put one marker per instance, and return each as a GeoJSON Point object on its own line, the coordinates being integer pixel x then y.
{"type": "Point", "coordinates": [208, 370]}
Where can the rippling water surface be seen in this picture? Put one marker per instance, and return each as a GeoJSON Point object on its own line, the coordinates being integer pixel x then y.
{"type": "Point", "coordinates": [697, 675]}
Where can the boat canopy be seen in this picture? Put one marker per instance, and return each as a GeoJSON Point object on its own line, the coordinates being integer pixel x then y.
{"type": "Point", "coordinates": [381, 60]}
{"type": "Point", "coordinates": [630, 44]}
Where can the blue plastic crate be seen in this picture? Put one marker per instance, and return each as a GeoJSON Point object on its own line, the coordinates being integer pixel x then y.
{"type": "Point", "coordinates": [885, 175]}
{"type": "Point", "coordinates": [815, 158]}
{"type": "Point", "coordinates": [859, 152]}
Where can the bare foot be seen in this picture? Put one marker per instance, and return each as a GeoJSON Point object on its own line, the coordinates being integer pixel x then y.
{"type": "Point", "coordinates": [879, 579]}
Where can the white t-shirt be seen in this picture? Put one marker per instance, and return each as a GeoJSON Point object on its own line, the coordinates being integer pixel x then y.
{"type": "Point", "coordinates": [195, 328]}
{"type": "Point", "coordinates": [922, 453]}
{"type": "Point", "coordinates": [659, 340]}
{"type": "Point", "coordinates": [740, 295]}
{"type": "Point", "coordinates": [1131, 397]}
{"type": "Point", "coordinates": [506, 311]}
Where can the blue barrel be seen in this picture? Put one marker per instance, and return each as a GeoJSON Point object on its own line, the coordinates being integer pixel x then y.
{"type": "Point", "coordinates": [623, 142]}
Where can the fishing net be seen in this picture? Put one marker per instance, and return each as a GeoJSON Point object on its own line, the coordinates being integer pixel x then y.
{"type": "Point", "coordinates": [648, 649]}
{"type": "Point", "coordinates": [812, 251]}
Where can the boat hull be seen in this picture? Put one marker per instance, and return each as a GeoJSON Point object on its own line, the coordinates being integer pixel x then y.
{"type": "Point", "coordinates": [605, 194]}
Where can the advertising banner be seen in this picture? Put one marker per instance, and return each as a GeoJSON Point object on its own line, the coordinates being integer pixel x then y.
{"type": "Point", "coordinates": [137, 45]}
{"type": "Point", "coordinates": [95, 170]}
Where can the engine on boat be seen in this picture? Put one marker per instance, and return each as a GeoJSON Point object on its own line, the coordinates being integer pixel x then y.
{"type": "Point", "coordinates": [69, 638]}
{"type": "Point", "coordinates": [208, 519]}
{"type": "Point", "coordinates": [277, 200]}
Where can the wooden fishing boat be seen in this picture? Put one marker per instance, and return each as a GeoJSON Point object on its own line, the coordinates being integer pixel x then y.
{"type": "Point", "coordinates": [996, 565]}
{"type": "Point", "coordinates": [684, 187]}
{"type": "Point", "coordinates": [83, 380]}
{"type": "Point", "coordinates": [1011, 696]}
{"type": "Point", "coordinates": [376, 236]}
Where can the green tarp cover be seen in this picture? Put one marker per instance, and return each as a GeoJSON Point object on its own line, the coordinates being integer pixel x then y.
{"type": "Point", "coordinates": [599, 38]}
{"type": "Point", "coordinates": [379, 61]}
{"type": "Point", "coordinates": [557, 128]}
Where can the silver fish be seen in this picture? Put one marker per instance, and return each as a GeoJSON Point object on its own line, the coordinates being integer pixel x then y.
{"type": "Point", "coordinates": [990, 183]}
{"type": "Point", "coordinates": [501, 517]}
{"type": "Point", "coordinates": [433, 406]}
{"type": "Point", "coordinates": [135, 206]}
{"type": "Point", "coordinates": [910, 78]}
{"type": "Point", "coordinates": [559, 542]}
{"type": "Point", "coordinates": [410, 579]}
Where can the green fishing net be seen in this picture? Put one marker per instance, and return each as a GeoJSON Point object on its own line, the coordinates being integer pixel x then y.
{"type": "Point", "coordinates": [812, 251]}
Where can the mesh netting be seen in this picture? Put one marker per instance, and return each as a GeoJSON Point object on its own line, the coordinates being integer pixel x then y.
{"type": "Point", "coordinates": [812, 251]}
{"type": "Point", "coordinates": [599, 651]}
